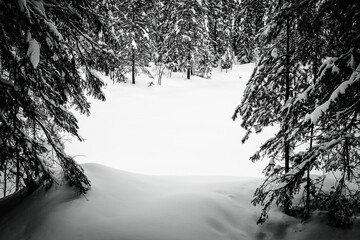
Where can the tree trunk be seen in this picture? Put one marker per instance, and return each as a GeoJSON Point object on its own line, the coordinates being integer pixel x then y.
{"type": "Point", "coordinates": [132, 47]}
{"type": "Point", "coordinates": [5, 178]}
{"type": "Point", "coordinates": [189, 66]}
{"type": "Point", "coordinates": [287, 200]}
{"type": "Point", "coordinates": [133, 65]}
{"type": "Point", "coordinates": [308, 179]}
{"type": "Point", "coordinates": [347, 159]}
{"type": "Point", "coordinates": [17, 176]}
{"type": "Point", "coordinates": [17, 182]}
{"type": "Point", "coordinates": [215, 38]}
{"type": "Point", "coordinates": [287, 94]}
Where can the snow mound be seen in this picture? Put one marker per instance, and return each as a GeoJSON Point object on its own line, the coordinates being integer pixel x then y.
{"type": "Point", "coordinates": [128, 206]}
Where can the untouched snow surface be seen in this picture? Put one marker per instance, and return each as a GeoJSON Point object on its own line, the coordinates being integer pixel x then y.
{"type": "Point", "coordinates": [127, 206]}
{"type": "Point", "coordinates": [182, 127]}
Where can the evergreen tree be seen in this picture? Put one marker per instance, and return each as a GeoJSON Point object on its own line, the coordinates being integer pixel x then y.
{"type": "Point", "coordinates": [219, 17]}
{"type": "Point", "coordinates": [335, 114]}
{"type": "Point", "coordinates": [161, 26]}
{"type": "Point", "coordinates": [249, 18]}
{"type": "Point", "coordinates": [42, 49]}
{"type": "Point", "coordinates": [132, 28]}
{"type": "Point", "coordinates": [269, 90]}
{"type": "Point", "coordinates": [187, 42]}
{"type": "Point", "coordinates": [320, 112]}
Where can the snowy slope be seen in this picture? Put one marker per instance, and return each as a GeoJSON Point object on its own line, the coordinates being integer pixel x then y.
{"type": "Point", "coordinates": [129, 206]}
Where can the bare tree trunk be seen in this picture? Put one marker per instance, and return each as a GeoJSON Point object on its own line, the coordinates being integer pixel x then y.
{"type": "Point", "coordinates": [189, 67]}
{"type": "Point", "coordinates": [215, 37]}
{"type": "Point", "coordinates": [347, 159]}
{"type": "Point", "coordinates": [133, 48]}
{"type": "Point", "coordinates": [161, 72]}
{"type": "Point", "coordinates": [287, 94]}
{"type": "Point", "coordinates": [133, 65]}
{"type": "Point", "coordinates": [308, 179]}
{"type": "Point", "coordinates": [5, 178]}
{"type": "Point", "coordinates": [17, 182]}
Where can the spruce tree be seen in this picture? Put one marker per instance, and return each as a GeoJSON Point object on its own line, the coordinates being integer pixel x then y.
{"type": "Point", "coordinates": [335, 116]}
{"type": "Point", "coordinates": [44, 47]}
{"type": "Point", "coordinates": [161, 27]}
{"type": "Point", "coordinates": [219, 16]}
{"type": "Point", "coordinates": [249, 19]}
{"type": "Point", "coordinates": [187, 40]}
{"type": "Point", "coordinates": [321, 112]}
{"type": "Point", "coordinates": [132, 27]}
{"type": "Point", "coordinates": [277, 77]}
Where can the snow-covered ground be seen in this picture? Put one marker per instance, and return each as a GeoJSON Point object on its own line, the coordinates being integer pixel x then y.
{"type": "Point", "coordinates": [128, 206]}
{"type": "Point", "coordinates": [183, 127]}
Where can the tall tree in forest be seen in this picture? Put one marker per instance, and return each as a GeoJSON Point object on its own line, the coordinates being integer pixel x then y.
{"type": "Point", "coordinates": [335, 116]}
{"type": "Point", "coordinates": [132, 27]}
{"type": "Point", "coordinates": [219, 17]}
{"type": "Point", "coordinates": [278, 75]}
{"type": "Point", "coordinates": [269, 90]}
{"type": "Point", "coordinates": [322, 109]}
{"type": "Point", "coordinates": [249, 19]}
{"type": "Point", "coordinates": [161, 26]}
{"type": "Point", "coordinates": [43, 49]}
{"type": "Point", "coordinates": [187, 41]}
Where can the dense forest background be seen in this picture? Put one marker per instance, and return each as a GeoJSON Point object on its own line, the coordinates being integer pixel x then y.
{"type": "Point", "coordinates": [306, 81]}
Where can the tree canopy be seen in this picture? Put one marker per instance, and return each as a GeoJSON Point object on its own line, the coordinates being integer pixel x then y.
{"type": "Point", "coordinates": [44, 49]}
{"type": "Point", "coordinates": [306, 81]}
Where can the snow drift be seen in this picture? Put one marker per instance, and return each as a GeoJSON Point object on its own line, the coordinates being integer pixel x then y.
{"type": "Point", "coordinates": [129, 206]}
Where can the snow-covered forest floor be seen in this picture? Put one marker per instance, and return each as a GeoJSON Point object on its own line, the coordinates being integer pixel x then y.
{"type": "Point", "coordinates": [183, 127]}
{"type": "Point", "coordinates": [128, 206]}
